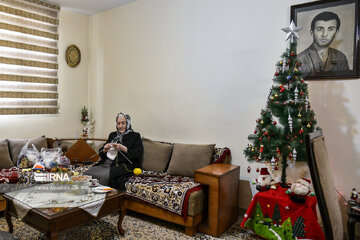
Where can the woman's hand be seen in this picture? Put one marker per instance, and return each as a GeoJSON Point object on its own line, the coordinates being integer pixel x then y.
{"type": "Point", "coordinates": [119, 147]}
{"type": "Point", "coordinates": [107, 147]}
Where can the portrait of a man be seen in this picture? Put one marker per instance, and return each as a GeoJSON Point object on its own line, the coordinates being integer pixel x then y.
{"type": "Point", "coordinates": [328, 42]}
{"type": "Point", "coordinates": [319, 56]}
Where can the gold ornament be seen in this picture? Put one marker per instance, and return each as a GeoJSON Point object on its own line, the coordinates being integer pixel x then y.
{"type": "Point", "coordinates": [295, 70]}
{"type": "Point", "coordinates": [272, 98]}
{"type": "Point", "coordinates": [281, 62]}
{"type": "Point", "coordinates": [308, 125]}
{"type": "Point", "coordinates": [276, 95]}
{"type": "Point", "coordinates": [299, 115]}
{"type": "Point", "coordinates": [262, 122]}
{"type": "Point", "coordinates": [252, 150]}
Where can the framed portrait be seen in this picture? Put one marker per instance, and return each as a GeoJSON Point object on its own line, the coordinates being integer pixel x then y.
{"type": "Point", "coordinates": [328, 44]}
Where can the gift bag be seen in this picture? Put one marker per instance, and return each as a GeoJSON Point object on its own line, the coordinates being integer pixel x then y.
{"type": "Point", "coordinates": [49, 157]}
{"type": "Point", "coordinates": [28, 156]}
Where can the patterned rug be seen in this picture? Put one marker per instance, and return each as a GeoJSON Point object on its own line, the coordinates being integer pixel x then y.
{"type": "Point", "coordinates": [137, 226]}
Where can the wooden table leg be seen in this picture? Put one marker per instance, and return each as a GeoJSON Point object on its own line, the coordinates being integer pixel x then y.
{"type": "Point", "coordinates": [351, 227]}
{"type": "Point", "coordinates": [8, 218]}
{"type": "Point", "coordinates": [52, 236]}
{"type": "Point", "coordinates": [121, 217]}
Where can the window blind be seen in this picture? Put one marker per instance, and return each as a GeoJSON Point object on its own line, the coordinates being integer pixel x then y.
{"type": "Point", "coordinates": [28, 57]}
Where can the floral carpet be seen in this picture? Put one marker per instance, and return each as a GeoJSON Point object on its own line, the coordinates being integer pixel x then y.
{"type": "Point", "coordinates": [137, 227]}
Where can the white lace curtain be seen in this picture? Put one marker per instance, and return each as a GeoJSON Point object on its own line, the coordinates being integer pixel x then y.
{"type": "Point", "coordinates": [28, 57]}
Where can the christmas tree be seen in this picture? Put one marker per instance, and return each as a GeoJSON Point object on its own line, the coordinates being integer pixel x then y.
{"type": "Point", "coordinates": [279, 132]}
{"type": "Point", "coordinates": [277, 216]}
{"type": "Point", "coordinates": [298, 228]}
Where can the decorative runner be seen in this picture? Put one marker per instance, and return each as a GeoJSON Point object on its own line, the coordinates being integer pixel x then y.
{"type": "Point", "coordinates": [163, 190]}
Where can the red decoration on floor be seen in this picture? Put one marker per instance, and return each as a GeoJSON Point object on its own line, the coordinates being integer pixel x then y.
{"type": "Point", "coordinates": [276, 208]}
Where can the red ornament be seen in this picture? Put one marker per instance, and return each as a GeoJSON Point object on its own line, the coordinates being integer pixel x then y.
{"type": "Point", "coordinates": [257, 170]}
{"type": "Point", "coordinates": [261, 148]}
{"type": "Point", "coordinates": [301, 141]}
{"type": "Point", "coordinates": [289, 61]}
{"type": "Point", "coordinates": [248, 169]}
{"type": "Point", "coordinates": [255, 132]}
{"type": "Point", "coordinates": [276, 74]}
{"type": "Point", "coordinates": [301, 131]}
{"type": "Point", "coordinates": [282, 88]}
{"type": "Point", "coordinates": [269, 137]}
{"type": "Point", "coordinates": [276, 168]}
{"type": "Point", "coordinates": [266, 133]}
{"type": "Point", "coordinates": [278, 150]}
{"type": "Point", "coordinates": [302, 81]}
{"type": "Point", "coordinates": [274, 122]}
{"type": "Point", "coordinates": [292, 54]}
{"type": "Point", "coordinates": [260, 139]}
{"type": "Point", "coordinates": [301, 93]}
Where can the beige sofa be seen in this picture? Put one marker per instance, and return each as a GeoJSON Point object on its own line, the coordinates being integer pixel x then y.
{"type": "Point", "coordinates": [161, 160]}
{"type": "Point", "coordinates": [177, 162]}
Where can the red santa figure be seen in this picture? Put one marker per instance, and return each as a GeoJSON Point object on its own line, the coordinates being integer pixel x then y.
{"type": "Point", "coordinates": [264, 182]}
{"type": "Point", "coordinates": [300, 190]}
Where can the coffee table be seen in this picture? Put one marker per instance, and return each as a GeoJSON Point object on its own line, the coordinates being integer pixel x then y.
{"type": "Point", "coordinates": [53, 221]}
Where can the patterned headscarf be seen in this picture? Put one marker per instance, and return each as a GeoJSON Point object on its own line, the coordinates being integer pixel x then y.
{"type": "Point", "coordinates": [120, 135]}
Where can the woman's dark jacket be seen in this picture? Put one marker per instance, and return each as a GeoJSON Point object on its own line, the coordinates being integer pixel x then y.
{"type": "Point", "coordinates": [121, 169]}
{"type": "Point", "coordinates": [134, 145]}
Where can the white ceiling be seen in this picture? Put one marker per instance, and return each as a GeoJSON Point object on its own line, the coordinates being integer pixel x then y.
{"type": "Point", "coordinates": [89, 7]}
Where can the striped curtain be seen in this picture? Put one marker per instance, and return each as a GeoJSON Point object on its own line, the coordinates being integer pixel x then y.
{"type": "Point", "coordinates": [28, 57]}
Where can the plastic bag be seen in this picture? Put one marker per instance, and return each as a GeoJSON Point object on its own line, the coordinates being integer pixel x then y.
{"type": "Point", "coordinates": [28, 156]}
{"type": "Point", "coordinates": [50, 156]}
{"type": "Point", "coordinates": [63, 161]}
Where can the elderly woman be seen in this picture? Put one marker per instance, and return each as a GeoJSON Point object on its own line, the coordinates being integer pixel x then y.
{"type": "Point", "coordinates": [119, 156]}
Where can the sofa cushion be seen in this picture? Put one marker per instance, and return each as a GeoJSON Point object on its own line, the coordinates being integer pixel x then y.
{"type": "Point", "coordinates": [186, 158]}
{"type": "Point", "coordinates": [165, 191]}
{"type": "Point", "coordinates": [156, 155]}
{"type": "Point", "coordinates": [5, 159]}
{"type": "Point", "coordinates": [81, 152]}
{"type": "Point", "coordinates": [195, 203]}
{"type": "Point", "coordinates": [15, 146]}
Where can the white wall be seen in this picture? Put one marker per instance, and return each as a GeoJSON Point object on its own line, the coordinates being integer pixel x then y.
{"type": "Point", "coordinates": [200, 72]}
{"type": "Point", "coordinates": [72, 88]}
{"type": "Point", "coordinates": [189, 71]}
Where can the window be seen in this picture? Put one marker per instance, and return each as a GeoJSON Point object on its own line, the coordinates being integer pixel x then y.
{"type": "Point", "coordinates": [28, 57]}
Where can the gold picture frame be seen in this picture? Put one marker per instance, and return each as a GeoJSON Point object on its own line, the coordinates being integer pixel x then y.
{"type": "Point", "coordinates": [73, 56]}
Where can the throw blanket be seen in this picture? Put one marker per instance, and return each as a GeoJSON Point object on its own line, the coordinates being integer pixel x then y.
{"type": "Point", "coordinates": [163, 190]}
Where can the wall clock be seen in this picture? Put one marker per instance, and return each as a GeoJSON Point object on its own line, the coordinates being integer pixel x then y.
{"type": "Point", "coordinates": [73, 55]}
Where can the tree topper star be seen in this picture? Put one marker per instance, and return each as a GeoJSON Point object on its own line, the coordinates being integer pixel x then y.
{"type": "Point", "coordinates": [292, 31]}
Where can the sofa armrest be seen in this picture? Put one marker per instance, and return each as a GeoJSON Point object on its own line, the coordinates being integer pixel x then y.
{"type": "Point", "coordinates": [221, 155]}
